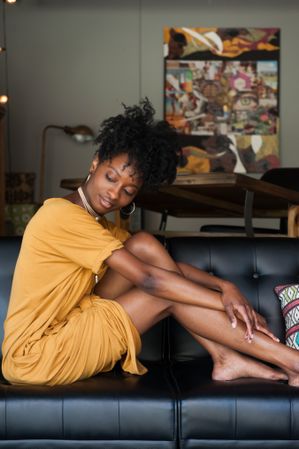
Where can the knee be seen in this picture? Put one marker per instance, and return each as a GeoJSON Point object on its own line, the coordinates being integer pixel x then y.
{"type": "Point", "coordinates": [143, 245]}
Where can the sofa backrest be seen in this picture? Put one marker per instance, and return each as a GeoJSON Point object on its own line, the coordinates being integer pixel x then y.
{"type": "Point", "coordinates": [254, 265]}
{"type": "Point", "coordinates": [9, 250]}
{"type": "Point", "coordinates": [153, 342]}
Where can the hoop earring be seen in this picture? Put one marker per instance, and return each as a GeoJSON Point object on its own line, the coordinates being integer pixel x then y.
{"type": "Point", "coordinates": [128, 210]}
{"type": "Point", "coordinates": [88, 178]}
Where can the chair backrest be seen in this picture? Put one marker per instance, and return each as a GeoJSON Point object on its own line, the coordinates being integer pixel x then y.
{"type": "Point", "coordinates": [287, 177]}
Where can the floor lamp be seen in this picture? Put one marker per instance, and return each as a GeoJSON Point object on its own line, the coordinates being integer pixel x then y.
{"type": "Point", "coordinates": [80, 133]}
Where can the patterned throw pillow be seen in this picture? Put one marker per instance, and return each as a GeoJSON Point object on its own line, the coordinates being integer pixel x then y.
{"type": "Point", "coordinates": [289, 302]}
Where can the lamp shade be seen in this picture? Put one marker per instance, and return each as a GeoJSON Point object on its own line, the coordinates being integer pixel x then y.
{"type": "Point", "coordinates": [81, 133]}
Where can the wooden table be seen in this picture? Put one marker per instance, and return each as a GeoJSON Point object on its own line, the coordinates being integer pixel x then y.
{"type": "Point", "coordinates": [215, 195]}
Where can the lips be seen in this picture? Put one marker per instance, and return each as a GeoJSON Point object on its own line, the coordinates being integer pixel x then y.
{"type": "Point", "coordinates": [105, 203]}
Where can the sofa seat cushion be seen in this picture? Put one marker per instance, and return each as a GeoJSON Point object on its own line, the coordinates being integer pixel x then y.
{"type": "Point", "coordinates": [240, 410]}
{"type": "Point", "coordinates": [111, 407]}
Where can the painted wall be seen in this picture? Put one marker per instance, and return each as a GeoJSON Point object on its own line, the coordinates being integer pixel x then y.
{"type": "Point", "coordinates": [76, 61]}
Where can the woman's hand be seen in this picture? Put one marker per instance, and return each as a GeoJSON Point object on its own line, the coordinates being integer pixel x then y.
{"type": "Point", "coordinates": [236, 306]}
{"type": "Point", "coordinates": [261, 325]}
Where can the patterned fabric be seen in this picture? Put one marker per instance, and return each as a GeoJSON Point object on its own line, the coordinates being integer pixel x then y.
{"type": "Point", "coordinates": [17, 217]}
{"type": "Point", "coordinates": [289, 302]}
{"type": "Point", "coordinates": [19, 188]}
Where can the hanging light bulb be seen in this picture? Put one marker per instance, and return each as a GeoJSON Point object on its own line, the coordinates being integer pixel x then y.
{"type": "Point", "coordinates": [3, 99]}
{"type": "Point", "coordinates": [10, 1]}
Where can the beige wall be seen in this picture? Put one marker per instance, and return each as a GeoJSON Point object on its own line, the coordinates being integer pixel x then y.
{"type": "Point", "coordinates": [75, 61]}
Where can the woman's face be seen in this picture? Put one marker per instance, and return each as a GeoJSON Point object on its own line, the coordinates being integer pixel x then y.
{"type": "Point", "coordinates": [112, 184]}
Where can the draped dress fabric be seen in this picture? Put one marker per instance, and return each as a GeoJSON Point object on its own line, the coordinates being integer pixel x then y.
{"type": "Point", "coordinates": [56, 330]}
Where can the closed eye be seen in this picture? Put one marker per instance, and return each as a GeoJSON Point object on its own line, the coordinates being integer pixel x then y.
{"type": "Point", "coordinates": [129, 193]}
{"type": "Point", "coordinates": [108, 177]}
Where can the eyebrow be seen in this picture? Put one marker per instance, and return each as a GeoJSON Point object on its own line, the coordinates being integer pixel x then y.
{"type": "Point", "coordinates": [117, 172]}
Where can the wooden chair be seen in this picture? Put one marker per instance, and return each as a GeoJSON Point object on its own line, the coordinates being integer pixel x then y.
{"type": "Point", "coordinates": [293, 221]}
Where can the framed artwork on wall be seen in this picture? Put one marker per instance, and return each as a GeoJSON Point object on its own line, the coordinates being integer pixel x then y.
{"type": "Point", "coordinates": [221, 92]}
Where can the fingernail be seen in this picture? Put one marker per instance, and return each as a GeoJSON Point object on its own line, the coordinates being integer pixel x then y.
{"type": "Point", "coordinates": [234, 324]}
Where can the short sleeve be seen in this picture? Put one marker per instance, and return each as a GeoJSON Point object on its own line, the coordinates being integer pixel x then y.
{"type": "Point", "coordinates": [118, 233]}
{"type": "Point", "coordinates": [72, 234]}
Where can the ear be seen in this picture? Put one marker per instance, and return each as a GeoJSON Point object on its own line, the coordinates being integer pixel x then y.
{"type": "Point", "coordinates": [94, 164]}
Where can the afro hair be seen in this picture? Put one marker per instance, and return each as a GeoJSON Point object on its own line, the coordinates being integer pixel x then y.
{"type": "Point", "coordinates": [152, 146]}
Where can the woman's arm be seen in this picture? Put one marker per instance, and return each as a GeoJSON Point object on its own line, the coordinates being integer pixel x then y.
{"type": "Point", "coordinates": [172, 286]}
{"type": "Point", "coordinates": [202, 277]}
{"type": "Point", "coordinates": [227, 291]}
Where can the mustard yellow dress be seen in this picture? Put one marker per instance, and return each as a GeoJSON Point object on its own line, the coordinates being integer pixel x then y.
{"type": "Point", "coordinates": [56, 330]}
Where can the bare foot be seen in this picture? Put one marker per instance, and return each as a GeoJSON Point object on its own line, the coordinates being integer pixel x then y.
{"type": "Point", "coordinates": [235, 366]}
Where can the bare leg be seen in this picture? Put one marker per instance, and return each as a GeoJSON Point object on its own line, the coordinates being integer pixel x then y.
{"type": "Point", "coordinates": [145, 310]}
{"type": "Point", "coordinates": [228, 364]}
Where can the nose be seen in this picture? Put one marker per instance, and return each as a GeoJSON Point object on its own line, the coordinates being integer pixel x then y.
{"type": "Point", "coordinates": [113, 193]}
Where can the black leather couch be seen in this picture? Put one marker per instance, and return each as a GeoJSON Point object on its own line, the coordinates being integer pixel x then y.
{"type": "Point", "coordinates": [176, 404]}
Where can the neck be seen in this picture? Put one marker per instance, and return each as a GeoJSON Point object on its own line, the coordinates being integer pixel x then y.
{"type": "Point", "coordinates": [86, 204]}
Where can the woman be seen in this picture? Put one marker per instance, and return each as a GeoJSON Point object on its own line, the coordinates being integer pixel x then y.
{"type": "Point", "coordinates": [84, 290]}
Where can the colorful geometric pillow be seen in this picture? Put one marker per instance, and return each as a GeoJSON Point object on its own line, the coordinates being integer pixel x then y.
{"type": "Point", "coordinates": [289, 298]}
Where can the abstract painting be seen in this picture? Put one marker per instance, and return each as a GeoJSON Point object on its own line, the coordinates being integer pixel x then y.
{"type": "Point", "coordinates": [222, 95]}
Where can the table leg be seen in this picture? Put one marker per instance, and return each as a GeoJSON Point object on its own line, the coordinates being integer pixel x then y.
{"type": "Point", "coordinates": [248, 206]}
{"type": "Point", "coordinates": [163, 221]}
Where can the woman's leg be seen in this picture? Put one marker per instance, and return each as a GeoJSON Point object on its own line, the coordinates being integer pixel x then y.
{"type": "Point", "coordinates": [227, 363]}
{"type": "Point", "coordinates": [146, 310]}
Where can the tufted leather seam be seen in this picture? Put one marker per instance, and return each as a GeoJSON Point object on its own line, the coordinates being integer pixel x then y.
{"type": "Point", "coordinates": [118, 417]}
{"type": "Point", "coordinates": [210, 259]}
{"type": "Point", "coordinates": [5, 415]}
{"type": "Point", "coordinates": [165, 343]}
{"type": "Point", "coordinates": [62, 417]}
{"type": "Point", "coordinates": [291, 420]}
{"type": "Point", "coordinates": [257, 284]}
{"type": "Point", "coordinates": [166, 347]}
{"type": "Point", "coordinates": [174, 386]}
{"type": "Point", "coordinates": [235, 432]}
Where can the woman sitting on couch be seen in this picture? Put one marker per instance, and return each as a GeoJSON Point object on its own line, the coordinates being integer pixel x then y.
{"type": "Point", "coordinates": [84, 290]}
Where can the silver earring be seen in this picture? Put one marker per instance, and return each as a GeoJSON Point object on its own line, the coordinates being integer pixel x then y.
{"type": "Point", "coordinates": [88, 178]}
{"type": "Point", "coordinates": [128, 210]}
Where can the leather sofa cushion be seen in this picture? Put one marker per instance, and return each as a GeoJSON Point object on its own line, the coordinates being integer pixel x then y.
{"type": "Point", "coordinates": [111, 410]}
{"type": "Point", "coordinates": [236, 411]}
{"type": "Point", "coordinates": [245, 413]}
{"type": "Point", "coordinates": [108, 407]}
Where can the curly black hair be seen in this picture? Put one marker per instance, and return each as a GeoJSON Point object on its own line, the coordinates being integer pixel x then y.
{"type": "Point", "coordinates": [152, 147]}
